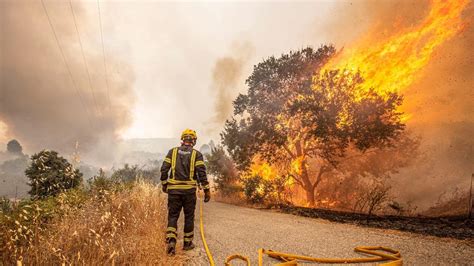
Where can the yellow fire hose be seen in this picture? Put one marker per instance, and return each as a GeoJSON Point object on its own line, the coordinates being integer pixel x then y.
{"type": "Point", "coordinates": [375, 253]}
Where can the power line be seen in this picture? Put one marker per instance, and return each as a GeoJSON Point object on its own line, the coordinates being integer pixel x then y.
{"type": "Point", "coordinates": [84, 57]}
{"type": "Point", "coordinates": [103, 53]}
{"type": "Point", "coordinates": [77, 89]}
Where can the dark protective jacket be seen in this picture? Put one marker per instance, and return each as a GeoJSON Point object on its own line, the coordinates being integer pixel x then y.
{"type": "Point", "coordinates": [183, 169]}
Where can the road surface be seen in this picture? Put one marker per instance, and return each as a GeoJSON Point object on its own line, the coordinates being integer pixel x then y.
{"type": "Point", "coordinates": [232, 229]}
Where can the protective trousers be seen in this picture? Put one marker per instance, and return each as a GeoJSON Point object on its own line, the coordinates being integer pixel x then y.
{"type": "Point", "coordinates": [176, 202]}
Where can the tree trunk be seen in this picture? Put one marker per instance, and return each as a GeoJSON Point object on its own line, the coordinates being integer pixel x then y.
{"type": "Point", "coordinates": [305, 181]}
{"type": "Point", "coordinates": [310, 196]}
{"type": "Point", "coordinates": [307, 185]}
{"type": "Point", "coordinates": [318, 178]}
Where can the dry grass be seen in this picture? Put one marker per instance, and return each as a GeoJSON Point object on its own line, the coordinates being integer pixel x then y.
{"type": "Point", "coordinates": [122, 227]}
{"type": "Point", "coordinates": [234, 199]}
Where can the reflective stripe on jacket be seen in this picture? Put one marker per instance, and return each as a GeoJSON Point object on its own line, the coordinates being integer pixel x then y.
{"type": "Point", "coordinates": [182, 169]}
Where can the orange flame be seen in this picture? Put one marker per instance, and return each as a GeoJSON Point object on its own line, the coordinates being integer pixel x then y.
{"type": "Point", "coordinates": [394, 63]}
{"type": "Point", "coordinates": [297, 165]}
{"type": "Point", "coordinates": [263, 169]}
{"type": "Point", "coordinates": [328, 203]}
{"type": "Point", "coordinates": [269, 172]}
{"type": "Point", "coordinates": [390, 64]}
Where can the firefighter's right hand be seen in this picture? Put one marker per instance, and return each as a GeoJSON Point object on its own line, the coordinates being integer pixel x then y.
{"type": "Point", "coordinates": [164, 187]}
{"type": "Point", "coordinates": [207, 195]}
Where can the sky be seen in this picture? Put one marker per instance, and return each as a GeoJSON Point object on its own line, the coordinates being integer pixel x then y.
{"type": "Point", "coordinates": [177, 65]}
{"type": "Point", "coordinates": [170, 65]}
{"type": "Point", "coordinates": [173, 48]}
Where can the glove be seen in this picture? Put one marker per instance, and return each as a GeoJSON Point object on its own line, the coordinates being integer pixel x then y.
{"type": "Point", "coordinates": [164, 187]}
{"type": "Point", "coordinates": [207, 195]}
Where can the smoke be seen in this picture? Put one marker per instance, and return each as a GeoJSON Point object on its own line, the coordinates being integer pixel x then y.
{"type": "Point", "coordinates": [227, 76]}
{"type": "Point", "coordinates": [354, 21]}
{"type": "Point", "coordinates": [440, 102]}
{"type": "Point", "coordinates": [39, 104]}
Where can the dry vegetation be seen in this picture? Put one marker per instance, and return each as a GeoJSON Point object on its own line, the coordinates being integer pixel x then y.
{"type": "Point", "coordinates": [234, 198]}
{"type": "Point", "coordinates": [122, 224]}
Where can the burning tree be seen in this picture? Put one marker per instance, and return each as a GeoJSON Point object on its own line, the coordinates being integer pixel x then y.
{"type": "Point", "coordinates": [358, 174]}
{"type": "Point", "coordinates": [295, 116]}
{"type": "Point", "coordinates": [223, 169]}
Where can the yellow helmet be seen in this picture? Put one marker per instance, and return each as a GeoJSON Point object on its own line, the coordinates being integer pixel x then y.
{"type": "Point", "coordinates": [188, 133]}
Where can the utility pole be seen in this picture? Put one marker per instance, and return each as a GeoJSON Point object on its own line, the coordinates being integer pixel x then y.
{"type": "Point", "coordinates": [469, 208]}
{"type": "Point", "coordinates": [470, 198]}
{"type": "Point", "coordinates": [76, 158]}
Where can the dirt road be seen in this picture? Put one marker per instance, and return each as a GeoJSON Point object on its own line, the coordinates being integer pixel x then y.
{"type": "Point", "coordinates": [231, 229]}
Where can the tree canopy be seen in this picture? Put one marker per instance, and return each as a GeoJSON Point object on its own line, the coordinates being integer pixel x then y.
{"type": "Point", "coordinates": [293, 113]}
{"type": "Point", "coordinates": [51, 174]}
{"type": "Point", "coordinates": [223, 169]}
{"type": "Point", "coordinates": [13, 146]}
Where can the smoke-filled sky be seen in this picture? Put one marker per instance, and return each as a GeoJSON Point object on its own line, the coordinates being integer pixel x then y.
{"type": "Point", "coordinates": [191, 59]}
{"type": "Point", "coordinates": [165, 62]}
{"type": "Point", "coordinates": [170, 65]}
{"type": "Point", "coordinates": [51, 96]}
{"type": "Point", "coordinates": [179, 65]}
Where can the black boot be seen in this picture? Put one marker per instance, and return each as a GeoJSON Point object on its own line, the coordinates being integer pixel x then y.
{"type": "Point", "coordinates": [171, 248]}
{"type": "Point", "coordinates": [188, 245]}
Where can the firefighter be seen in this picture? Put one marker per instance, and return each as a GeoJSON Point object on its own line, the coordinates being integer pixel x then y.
{"type": "Point", "coordinates": [182, 171]}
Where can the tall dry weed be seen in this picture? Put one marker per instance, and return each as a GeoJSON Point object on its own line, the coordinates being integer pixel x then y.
{"type": "Point", "coordinates": [122, 227]}
{"type": "Point", "coordinates": [233, 198]}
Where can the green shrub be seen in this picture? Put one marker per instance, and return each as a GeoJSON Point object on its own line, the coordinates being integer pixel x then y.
{"type": "Point", "coordinates": [5, 205]}
{"type": "Point", "coordinates": [127, 173]}
{"type": "Point", "coordinates": [100, 185]}
{"type": "Point", "coordinates": [257, 189]}
{"type": "Point", "coordinates": [50, 174]}
{"type": "Point", "coordinates": [101, 182]}
{"type": "Point", "coordinates": [221, 166]}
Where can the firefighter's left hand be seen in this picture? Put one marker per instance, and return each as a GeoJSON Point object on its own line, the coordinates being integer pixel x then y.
{"type": "Point", "coordinates": [207, 195]}
{"type": "Point", "coordinates": [164, 187]}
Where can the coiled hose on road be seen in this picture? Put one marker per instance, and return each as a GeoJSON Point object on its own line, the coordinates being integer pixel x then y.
{"type": "Point", "coordinates": [375, 253]}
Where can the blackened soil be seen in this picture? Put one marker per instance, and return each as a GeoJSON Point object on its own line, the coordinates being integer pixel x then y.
{"type": "Point", "coordinates": [453, 226]}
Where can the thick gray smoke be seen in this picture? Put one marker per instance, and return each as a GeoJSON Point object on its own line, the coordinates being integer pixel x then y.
{"type": "Point", "coordinates": [352, 21]}
{"type": "Point", "coordinates": [228, 75]}
{"type": "Point", "coordinates": [441, 104]}
{"type": "Point", "coordinates": [39, 103]}
{"type": "Point", "coordinates": [440, 101]}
